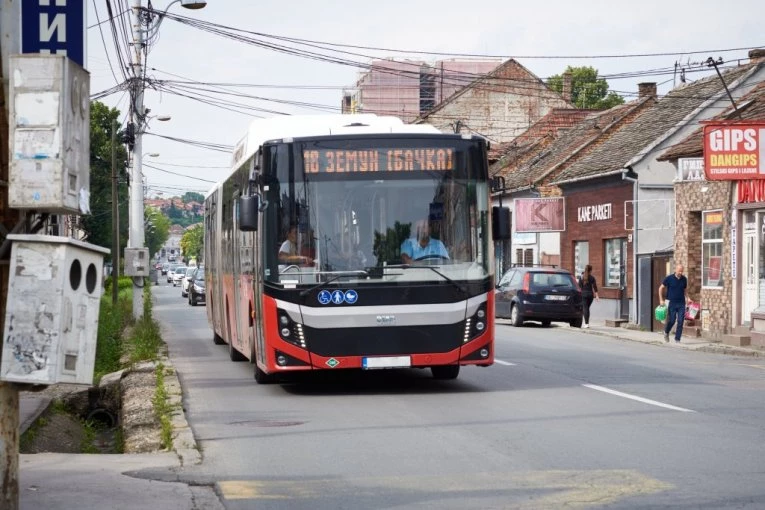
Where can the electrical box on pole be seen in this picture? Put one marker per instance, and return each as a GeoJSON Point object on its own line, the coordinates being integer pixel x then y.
{"type": "Point", "coordinates": [49, 134]}
{"type": "Point", "coordinates": [137, 262]}
{"type": "Point", "coordinates": [51, 323]}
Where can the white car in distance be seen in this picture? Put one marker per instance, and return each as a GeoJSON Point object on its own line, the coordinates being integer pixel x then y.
{"type": "Point", "coordinates": [178, 275]}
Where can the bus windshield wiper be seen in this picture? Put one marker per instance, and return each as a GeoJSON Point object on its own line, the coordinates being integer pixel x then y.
{"type": "Point", "coordinates": [439, 273]}
{"type": "Point", "coordinates": [359, 272]}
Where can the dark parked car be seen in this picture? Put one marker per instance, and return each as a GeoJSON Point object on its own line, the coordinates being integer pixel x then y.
{"type": "Point", "coordinates": [542, 294]}
{"type": "Point", "coordinates": [197, 288]}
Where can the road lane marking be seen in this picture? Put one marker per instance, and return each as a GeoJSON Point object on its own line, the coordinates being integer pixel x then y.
{"type": "Point", "coordinates": [506, 363]}
{"type": "Point", "coordinates": [639, 399]}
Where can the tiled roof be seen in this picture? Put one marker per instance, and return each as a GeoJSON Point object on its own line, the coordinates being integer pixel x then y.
{"type": "Point", "coordinates": [751, 107]}
{"type": "Point", "coordinates": [548, 126]}
{"type": "Point", "coordinates": [549, 157]}
{"type": "Point", "coordinates": [668, 112]}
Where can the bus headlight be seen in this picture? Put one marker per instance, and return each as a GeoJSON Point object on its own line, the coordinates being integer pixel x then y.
{"type": "Point", "coordinates": [289, 330]}
{"type": "Point", "coordinates": [475, 325]}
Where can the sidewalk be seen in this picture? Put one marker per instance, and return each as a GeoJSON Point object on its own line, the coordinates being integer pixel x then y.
{"type": "Point", "coordinates": [58, 481]}
{"type": "Point", "coordinates": [656, 337]}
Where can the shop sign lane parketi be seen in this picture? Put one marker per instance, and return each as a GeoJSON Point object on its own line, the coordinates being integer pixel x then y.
{"type": "Point", "coordinates": [51, 320]}
{"type": "Point", "coordinates": [49, 134]}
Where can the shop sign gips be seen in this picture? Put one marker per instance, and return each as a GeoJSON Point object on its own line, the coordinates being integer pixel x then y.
{"type": "Point", "coordinates": [734, 150]}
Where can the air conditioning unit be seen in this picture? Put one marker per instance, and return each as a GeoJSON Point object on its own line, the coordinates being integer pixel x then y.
{"type": "Point", "coordinates": [49, 134]}
{"type": "Point", "coordinates": [51, 319]}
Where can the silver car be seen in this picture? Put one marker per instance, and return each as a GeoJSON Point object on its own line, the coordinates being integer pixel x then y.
{"type": "Point", "coordinates": [188, 277]}
{"type": "Point", "coordinates": [178, 275]}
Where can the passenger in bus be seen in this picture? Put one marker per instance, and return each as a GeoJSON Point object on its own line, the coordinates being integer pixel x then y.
{"type": "Point", "coordinates": [289, 252]}
{"type": "Point", "coordinates": [422, 246]}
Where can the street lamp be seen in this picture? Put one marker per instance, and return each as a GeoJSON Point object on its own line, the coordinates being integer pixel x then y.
{"type": "Point", "coordinates": [144, 29]}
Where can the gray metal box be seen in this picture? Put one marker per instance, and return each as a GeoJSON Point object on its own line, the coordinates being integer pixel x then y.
{"type": "Point", "coordinates": [49, 134]}
{"type": "Point", "coordinates": [51, 319]}
{"type": "Point", "coordinates": [137, 262]}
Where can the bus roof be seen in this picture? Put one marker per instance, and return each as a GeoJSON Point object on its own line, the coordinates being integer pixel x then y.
{"type": "Point", "coordinates": [298, 126]}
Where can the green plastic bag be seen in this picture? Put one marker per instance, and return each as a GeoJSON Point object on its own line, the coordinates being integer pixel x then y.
{"type": "Point", "coordinates": [660, 313]}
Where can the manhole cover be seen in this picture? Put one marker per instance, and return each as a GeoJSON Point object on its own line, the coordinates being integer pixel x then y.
{"type": "Point", "coordinates": [268, 423]}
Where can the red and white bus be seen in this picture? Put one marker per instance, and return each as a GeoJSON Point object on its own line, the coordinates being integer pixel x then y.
{"type": "Point", "coordinates": [352, 242]}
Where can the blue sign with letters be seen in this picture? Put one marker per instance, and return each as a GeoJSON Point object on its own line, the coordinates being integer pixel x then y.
{"type": "Point", "coordinates": [324, 297]}
{"type": "Point", "coordinates": [351, 296]}
{"type": "Point", "coordinates": [54, 26]}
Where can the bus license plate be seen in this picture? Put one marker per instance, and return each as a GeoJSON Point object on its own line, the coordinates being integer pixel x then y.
{"type": "Point", "coordinates": [386, 362]}
{"type": "Point", "coordinates": [556, 298]}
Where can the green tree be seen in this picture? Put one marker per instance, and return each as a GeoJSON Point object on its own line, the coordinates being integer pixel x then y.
{"type": "Point", "coordinates": [98, 225]}
{"type": "Point", "coordinates": [587, 90]}
{"type": "Point", "coordinates": [192, 242]}
{"type": "Point", "coordinates": [157, 229]}
{"type": "Point", "coordinates": [193, 196]}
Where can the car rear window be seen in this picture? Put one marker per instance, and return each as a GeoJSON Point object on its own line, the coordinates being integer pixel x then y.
{"type": "Point", "coordinates": [547, 280]}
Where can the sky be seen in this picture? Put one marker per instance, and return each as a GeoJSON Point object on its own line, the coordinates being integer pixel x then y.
{"type": "Point", "coordinates": [554, 28]}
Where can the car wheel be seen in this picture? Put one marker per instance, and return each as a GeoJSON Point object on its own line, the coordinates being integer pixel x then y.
{"type": "Point", "coordinates": [192, 301]}
{"type": "Point", "coordinates": [546, 323]}
{"type": "Point", "coordinates": [515, 316]}
{"type": "Point", "coordinates": [576, 323]}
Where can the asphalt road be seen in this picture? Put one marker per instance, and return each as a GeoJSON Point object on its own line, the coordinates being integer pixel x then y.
{"type": "Point", "coordinates": [564, 419]}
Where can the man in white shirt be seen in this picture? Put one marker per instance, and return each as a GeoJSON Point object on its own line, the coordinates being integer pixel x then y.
{"type": "Point", "coordinates": [288, 251]}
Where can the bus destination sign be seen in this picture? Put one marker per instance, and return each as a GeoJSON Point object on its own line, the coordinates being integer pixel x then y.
{"type": "Point", "coordinates": [378, 160]}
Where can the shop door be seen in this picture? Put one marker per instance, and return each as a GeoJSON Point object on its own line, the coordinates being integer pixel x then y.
{"type": "Point", "coordinates": [749, 297]}
{"type": "Point", "coordinates": [624, 297]}
{"type": "Point", "coordinates": [661, 268]}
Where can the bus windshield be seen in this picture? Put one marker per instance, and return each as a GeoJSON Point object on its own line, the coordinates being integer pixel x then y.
{"type": "Point", "coordinates": [372, 208]}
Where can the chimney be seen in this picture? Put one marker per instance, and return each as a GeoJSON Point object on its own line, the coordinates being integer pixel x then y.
{"type": "Point", "coordinates": [647, 89]}
{"type": "Point", "coordinates": [757, 56]}
{"type": "Point", "coordinates": [567, 82]}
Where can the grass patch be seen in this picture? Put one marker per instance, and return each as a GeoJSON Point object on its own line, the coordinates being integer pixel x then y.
{"type": "Point", "coordinates": [91, 431]}
{"type": "Point", "coordinates": [112, 320]}
{"type": "Point", "coordinates": [162, 409]}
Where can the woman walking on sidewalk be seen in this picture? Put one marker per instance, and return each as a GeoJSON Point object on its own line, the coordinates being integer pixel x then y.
{"type": "Point", "coordinates": [589, 292]}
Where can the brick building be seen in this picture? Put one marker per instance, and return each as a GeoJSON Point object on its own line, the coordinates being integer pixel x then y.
{"type": "Point", "coordinates": [540, 156]}
{"type": "Point", "coordinates": [720, 236]}
{"type": "Point", "coordinates": [500, 105]}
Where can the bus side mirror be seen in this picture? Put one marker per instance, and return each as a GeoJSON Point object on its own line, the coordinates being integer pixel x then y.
{"type": "Point", "coordinates": [500, 223]}
{"type": "Point", "coordinates": [248, 213]}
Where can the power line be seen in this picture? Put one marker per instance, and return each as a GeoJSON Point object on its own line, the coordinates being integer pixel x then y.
{"type": "Point", "coordinates": [178, 174]}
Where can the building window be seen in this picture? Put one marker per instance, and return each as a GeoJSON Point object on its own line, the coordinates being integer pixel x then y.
{"type": "Point", "coordinates": [581, 256]}
{"type": "Point", "coordinates": [613, 262]}
{"type": "Point", "coordinates": [711, 248]}
{"type": "Point", "coordinates": [524, 257]}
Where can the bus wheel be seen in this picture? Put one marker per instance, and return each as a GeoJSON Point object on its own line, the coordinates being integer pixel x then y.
{"type": "Point", "coordinates": [263, 378]}
{"type": "Point", "coordinates": [235, 355]}
{"type": "Point", "coordinates": [445, 371]}
{"type": "Point", "coordinates": [217, 339]}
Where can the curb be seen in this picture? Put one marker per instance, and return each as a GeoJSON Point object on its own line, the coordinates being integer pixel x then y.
{"type": "Point", "coordinates": [184, 443]}
{"type": "Point", "coordinates": [710, 347]}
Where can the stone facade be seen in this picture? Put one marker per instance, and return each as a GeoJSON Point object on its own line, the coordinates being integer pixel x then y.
{"type": "Point", "coordinates": [692, 198]}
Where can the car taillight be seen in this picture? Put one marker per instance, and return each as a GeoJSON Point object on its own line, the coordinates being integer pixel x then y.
{"type": "Point", "coordinates": [526, 280]}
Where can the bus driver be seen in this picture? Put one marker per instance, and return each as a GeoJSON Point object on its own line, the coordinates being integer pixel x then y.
{"type": "Point", "coordinates": [289, 252]}
{"type": "Point", "coordinates": [422, 246]}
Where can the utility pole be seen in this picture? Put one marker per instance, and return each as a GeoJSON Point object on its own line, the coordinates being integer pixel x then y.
{"type": "Point", "coordinates": [10, 13]}
{"type": "Point", "coordinates": [115, 220]}
{"type": "Point", "coordinates": [137, 113]}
